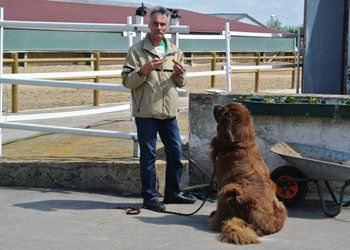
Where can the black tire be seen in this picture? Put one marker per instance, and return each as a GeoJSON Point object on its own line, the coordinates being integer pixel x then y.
{"type": "Point", "coordinates": [290, 193]}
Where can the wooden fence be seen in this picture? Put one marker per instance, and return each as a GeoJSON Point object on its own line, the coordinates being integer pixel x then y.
{"type": "Point", "coordinates": [15, 61]}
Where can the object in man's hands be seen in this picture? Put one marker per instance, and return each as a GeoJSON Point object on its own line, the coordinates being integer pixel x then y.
{"type": "Point", "coordinates": [174, 61]}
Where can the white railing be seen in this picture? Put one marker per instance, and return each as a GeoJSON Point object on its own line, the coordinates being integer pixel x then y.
{"type": "Point", "coordinates": [131, 30]}
{"type": "Point", "coordinates": [34, 79]}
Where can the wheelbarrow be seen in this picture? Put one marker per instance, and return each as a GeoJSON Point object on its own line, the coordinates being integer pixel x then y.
{"type": "Point", "coordinates": [310, 164]}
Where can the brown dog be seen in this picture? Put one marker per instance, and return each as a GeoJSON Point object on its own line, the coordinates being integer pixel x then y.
{"type": "Point", "coordinates": [247, 204]}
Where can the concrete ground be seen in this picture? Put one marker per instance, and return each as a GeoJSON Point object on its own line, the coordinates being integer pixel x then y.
{"type": "Point", "coordinates": [67, 219]}
{"type": "Point", "coordinates": [37, 218]}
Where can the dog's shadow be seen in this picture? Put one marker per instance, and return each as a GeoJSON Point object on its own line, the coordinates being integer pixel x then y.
{"type": "Point", "coordinates": [198, 222]}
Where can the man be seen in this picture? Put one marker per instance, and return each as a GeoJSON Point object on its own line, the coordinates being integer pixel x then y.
{"type": "Point", "coordinates": [153, 77]}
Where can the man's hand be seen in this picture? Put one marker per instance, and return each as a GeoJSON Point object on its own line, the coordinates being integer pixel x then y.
{"type": "Point", "coordinates": [154, 64]}
{"type": "Point", "coordinates": [178, 68]}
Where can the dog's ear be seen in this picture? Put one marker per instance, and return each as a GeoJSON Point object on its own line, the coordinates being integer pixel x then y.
{"type": "Point", "coordinates": [218, 109]}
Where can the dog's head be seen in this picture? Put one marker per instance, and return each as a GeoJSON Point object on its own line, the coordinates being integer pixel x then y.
{"type": "Point", "coordinates": [235, 125]}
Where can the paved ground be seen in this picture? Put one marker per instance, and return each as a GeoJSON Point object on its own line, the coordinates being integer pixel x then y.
{"type": "Point", "coordinates": [66, 219]}
{"type": "Point", "coordinates": [69, 219]}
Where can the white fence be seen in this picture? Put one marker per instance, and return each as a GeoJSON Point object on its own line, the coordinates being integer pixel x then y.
{"type": "Point", "coordinates": [137, 29]}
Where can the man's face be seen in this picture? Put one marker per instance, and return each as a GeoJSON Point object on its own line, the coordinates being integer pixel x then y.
{"type": "Point", "coordinates": [158, 26]}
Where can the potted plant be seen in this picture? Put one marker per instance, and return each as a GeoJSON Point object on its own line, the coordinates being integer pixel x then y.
{"type": "Point", "coordinates": [287, 106]}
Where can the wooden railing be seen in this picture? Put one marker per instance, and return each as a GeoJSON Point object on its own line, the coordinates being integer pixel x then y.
{"type": "Point", "coordinates": [15, 61]}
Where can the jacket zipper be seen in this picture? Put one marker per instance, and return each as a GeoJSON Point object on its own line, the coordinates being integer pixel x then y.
{"type": "Point", "coordinates": [138, 106]}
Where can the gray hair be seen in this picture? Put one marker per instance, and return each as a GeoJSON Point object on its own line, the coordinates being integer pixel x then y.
{"type": "Point", "coordinates": [159, 10]}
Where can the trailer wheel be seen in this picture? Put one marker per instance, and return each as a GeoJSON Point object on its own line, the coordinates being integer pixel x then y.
{"type": "Point", "coordinates": [290, 193]}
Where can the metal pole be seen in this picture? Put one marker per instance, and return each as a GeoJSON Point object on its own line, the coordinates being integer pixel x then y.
{"type": "Point", "coordinates": [129, 21]}
{"type": "Point", "coordinates": [175, 36]}
{"type": "Point", "coordinates": [136, 148]}
{"type": "Point", "coordinates": [228, 66]}
{"type": "Point", "coordinates": [298, 60]}
{"type": "Point", "coordinates": [1, 66]}
{"type": "Point", "coordinates": [139, 20]}
{"type": "Point", "coordinates": [294, 71]}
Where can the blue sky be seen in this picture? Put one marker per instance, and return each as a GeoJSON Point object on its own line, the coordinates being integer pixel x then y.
{"type": "Point", "coordinates": [289, 12]}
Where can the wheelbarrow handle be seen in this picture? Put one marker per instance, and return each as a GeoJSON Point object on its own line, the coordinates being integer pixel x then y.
{"type": "Point", "coordinates": [339, 203]}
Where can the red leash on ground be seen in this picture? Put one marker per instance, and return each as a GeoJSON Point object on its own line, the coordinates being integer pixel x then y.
{"type": "Point", "coordinates": [137, 210]}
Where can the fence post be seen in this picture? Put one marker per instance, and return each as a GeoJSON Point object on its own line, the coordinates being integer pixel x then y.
{"type": "Point", "coordinates": [140, 13]}
{"type": "Point", "coordinates": [97, 79]}
{"type": "Point", "coordinates": [228, 59]}
{"type": "Point", "coordinates": [14, 87]}
{"type": "Point", "coordinates": [257, 74]}
{"type": "Point", "coordinates": [294, 72]}
{"type": "Point", "coordinates": [213, 68]}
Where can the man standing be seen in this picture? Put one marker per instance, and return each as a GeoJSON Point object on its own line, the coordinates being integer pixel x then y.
{"type": "Point", "coordinates": [153, 70]}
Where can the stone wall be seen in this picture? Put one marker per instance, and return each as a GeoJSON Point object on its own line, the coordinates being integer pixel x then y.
{"type": "Point", "coordinates": [120, 177]}
{"type": "Point", "coordinates": [329, 133]}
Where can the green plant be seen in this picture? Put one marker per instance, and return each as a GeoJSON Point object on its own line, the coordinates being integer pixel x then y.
{"type": "Point", "coordinates": [314, 101]}
{"type": "Point", "coordinates": [347, 102]}
{"type": "Point", "coordinates": [288, 99]}
{"type": "Point", "coordinates": [268, 99]}
{"type": "Point", "coordinates": [244, 98]}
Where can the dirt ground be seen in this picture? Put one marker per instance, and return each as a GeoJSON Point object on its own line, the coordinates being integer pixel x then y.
{"type": "Point", "coordinates": [34, 97]}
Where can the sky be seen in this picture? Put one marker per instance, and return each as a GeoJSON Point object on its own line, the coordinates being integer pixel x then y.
{"type": "Point", "coordinates": [288, 12]}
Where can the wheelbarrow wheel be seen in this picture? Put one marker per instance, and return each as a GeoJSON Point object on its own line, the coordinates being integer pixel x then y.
{"type": "Point", "coordinates": [290, 193]}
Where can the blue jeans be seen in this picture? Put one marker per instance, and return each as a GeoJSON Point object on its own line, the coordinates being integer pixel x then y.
{"type": "Point", "coordinates": [168, 130]}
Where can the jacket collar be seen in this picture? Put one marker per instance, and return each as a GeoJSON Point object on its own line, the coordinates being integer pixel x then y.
{"type": "Point", "coordinates": [147, 45]}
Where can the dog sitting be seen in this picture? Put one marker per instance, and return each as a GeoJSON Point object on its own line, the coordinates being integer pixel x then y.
{"type": "Point", "coordinates": [247, 205]}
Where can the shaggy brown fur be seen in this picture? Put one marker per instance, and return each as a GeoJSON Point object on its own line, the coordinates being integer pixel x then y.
{"type": "Point", "coordinates": [247, 204]}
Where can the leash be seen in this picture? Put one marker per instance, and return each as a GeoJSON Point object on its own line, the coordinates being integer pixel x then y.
{"type": "Point", "coordinates": [137, 210]}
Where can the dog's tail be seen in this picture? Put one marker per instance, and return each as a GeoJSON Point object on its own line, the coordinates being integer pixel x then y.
{"type": "Point", "coordinates": [236, 231]}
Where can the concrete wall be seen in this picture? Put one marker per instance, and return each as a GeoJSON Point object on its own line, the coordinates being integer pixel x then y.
{"type": "Point", "coordinates": [270, 130]}
{"type": "Point", "coordinates": [118, 176]}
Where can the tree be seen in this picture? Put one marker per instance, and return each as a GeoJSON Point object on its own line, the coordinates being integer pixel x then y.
{"type": "Point", "coordinates": [293, 29]}
{"type": "Point", "coordinates": [274, 23]}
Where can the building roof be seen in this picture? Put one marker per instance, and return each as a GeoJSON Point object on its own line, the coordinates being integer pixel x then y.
{"type": "Point", "coordinates": [58, 11]}
{"type": "Point", "coordinates": [237, 17]}
{"type": "Point", "coordinates": [104, 2]}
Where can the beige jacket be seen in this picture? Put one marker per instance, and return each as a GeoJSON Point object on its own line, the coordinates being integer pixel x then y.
{"type": "Point", "coordinates": [154, 95]}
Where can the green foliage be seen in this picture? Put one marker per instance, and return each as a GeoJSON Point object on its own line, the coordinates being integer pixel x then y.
{"type": "Point", "coordinates": [347, 102]}
{"type": "Point", "coordinates": [276, 24]}
{"type": "Point", "coordinates": [244, 98]}
{"type": "Point", "coordinates": [293, 29]}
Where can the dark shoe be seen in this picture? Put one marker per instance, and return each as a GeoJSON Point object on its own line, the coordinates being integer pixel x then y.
{"type": "Point", "coordinates": [154, 205]}
{"type": "Point", "coordinates": [179, 200]}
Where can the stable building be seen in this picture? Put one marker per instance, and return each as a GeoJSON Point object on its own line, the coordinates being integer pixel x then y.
{"type": "Point", "coordinates": [34, 42]}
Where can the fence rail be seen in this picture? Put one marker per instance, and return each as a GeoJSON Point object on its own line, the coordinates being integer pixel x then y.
{"type": "Point", "coordinates": [15, 61]}
{"type": "Point", "coordinates": [139, 28]}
